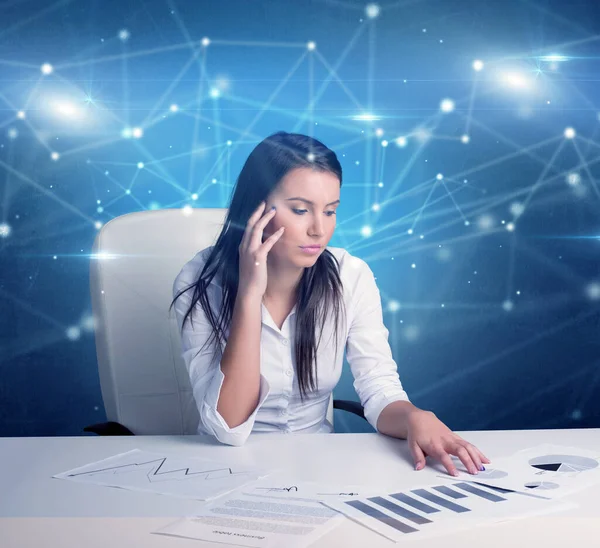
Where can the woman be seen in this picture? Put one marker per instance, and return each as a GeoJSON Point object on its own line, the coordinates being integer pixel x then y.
{"type": "Point", "coordinates": [268, 372]}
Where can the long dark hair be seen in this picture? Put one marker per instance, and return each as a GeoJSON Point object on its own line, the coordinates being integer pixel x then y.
{"type": "Point", "coordinates": [320, 287]}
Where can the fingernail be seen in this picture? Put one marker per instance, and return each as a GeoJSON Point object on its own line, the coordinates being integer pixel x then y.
{"type": "Point", "coordinates": [455, 473]}
{"type": "Point", "coordinates": [482, 468]}
{"type": "Point", "coordinates": [272, 207]}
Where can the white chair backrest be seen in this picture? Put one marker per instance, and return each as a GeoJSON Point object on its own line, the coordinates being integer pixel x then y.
{"type": "Point", "coordinates": [136, 258]}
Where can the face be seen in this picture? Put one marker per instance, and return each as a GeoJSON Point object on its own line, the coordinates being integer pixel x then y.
{"type": "Point", "coordinates": [305, 223]}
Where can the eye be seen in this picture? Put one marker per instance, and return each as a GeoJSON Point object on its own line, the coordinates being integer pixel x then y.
{"type": "Point", "coordinates": [303, 211]}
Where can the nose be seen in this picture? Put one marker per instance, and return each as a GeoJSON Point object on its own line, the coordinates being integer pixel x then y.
{"type": "Point", "coordinates": [317, 227]}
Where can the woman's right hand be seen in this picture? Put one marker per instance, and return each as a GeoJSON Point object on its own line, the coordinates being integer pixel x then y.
{"type": "Point", "coordinates": [253, 276]}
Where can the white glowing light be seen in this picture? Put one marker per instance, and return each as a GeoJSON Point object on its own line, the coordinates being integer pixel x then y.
{"type": "Point", "coordinates": [380, 185]}
{"type": "Point", "coordinates": [137, 132]}
{"type": "Point", "coordinates": [517, 208]}
{"type": "Point", "coordinates": [375, 207]}
{"type": "Point", "coordinates": [508, 305]}
{"type": "Point", "coordinates": [554, 58]}
{"type": "Point", "coordinates": [128, 192]}
{"type": "Point", "coordinates": [98, 225]}
{"type": "Point", "coordinates": [439, 176]}
{"type": "Point", "coordinates": [12, 133]}
{"type": "Point", "coordinates": [140, 165]}
{"type": "Point", "coordinates": [104, 256]}
{"type": "Point", "coordinates": [372, 11]}
{"type": "Point", "coordinates": [194, 196]}
{"type": "Point", "coordinates": [413, 265]}
{"type": "Point", "coordinates": [485, 222]}
{"type": "Point", "coordinates": [46, 68]}
{"type": "Point", "coordinates": [393, 306]}
{"type": "Point", "coordinates": [5, 230]}
{"type": "Point", "coordinates": [205, 41]}
{"type": "Point", "coordinates": [187, 210]}
{"type": "Point", "coordinates": [477, 65]}
{"type": "Point", "coordinates": [73, 333]}
{"type": "Point", "coordinates": [447, 105]}
{"type": "Point", "coordinates": [366, 231]}
{"type": "Point", "coordinates": [126, 133]}
{"type": "Point", "coordinates": [21, 115]}
{"type": "Point", "coordinates": [515, 80]}
{"type": "Point", "coordinates": [510, 227]}
{"type": "Point", "coordinates": [384, 143]}
{"type": "Point", "coordinates": [229, 143]}
{"type": "Point", "coordinates": [411, 333]}
{"type": "Point", "coordinates": [100, 209]}
{"type": "Point", "coordinates": [573, 179]}
{"type": "Point", "coordinates": [214, 181]}
{"type": "Point", "coordinates": [593, 291]}
{"type": "Point", "coordinates": [173, 108]}
{"type": "Point", "coordinates": [311, 46]}
{"type": "Point", "coordinates": [55, 156]}
{"type": "Point", "coordinates": [465, 138]}
{"type": "Point", "coordinates": [401, 141]}
{"type": "Point", "coordinates": [124, 35]}
{"type": "Point", "coordinates": [379, 132]}
{"type": "Point", "coordinates": [88, 323]}
{"type": "Point", "coordinates": [422, 134]}
{"type": "Point", "coordinates": [569, 133]}
{"type": "Point", "coordinates": [66, 109]}
{"type": "Point", "coordinates": [310, 157]}
{"type": "Point", "coordinates": [410, 230]}
{"type": "Point", "coordinates": [214, 93]}
{"type": "Point", "coordinates": [365, 116]}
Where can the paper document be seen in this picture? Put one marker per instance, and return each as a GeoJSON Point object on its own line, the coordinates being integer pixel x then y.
{"type": "Point", "coordinates": [268, 515]}
{"type": "Point", "coordinates": [549, 471]}
{"type": "Point", "coordinates": [439, 509]}
{"type": "Point", "coordinates": [186, 477]}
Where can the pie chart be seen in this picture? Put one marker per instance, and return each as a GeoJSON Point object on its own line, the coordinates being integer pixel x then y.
{"type": "Point", "coordinates": [563, 463]}
{"type": "Point", "coordinates": [542, 485]}
{"type": "Point", "coordinates": [492, 474]}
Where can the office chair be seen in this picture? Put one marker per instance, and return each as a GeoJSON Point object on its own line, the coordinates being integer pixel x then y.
{"type": "Point", "coordinates": [144, 381]}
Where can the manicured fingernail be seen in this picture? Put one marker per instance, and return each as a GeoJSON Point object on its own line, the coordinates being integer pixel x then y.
{"type": "Point", "coordinates": [482, 468]}
{"type": "Point", "coordinates": [272, 207]}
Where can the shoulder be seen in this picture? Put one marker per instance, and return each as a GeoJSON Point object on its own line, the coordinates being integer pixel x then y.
{"type": "Point", "coordinates": [351, 267]}
{"type": "Point", "coordinates": [191, 270]}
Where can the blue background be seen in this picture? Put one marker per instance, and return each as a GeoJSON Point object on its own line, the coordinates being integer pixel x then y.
{"type": "Point", "coordinates": [496, 324]}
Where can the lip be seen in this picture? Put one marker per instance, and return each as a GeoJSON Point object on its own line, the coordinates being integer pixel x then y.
{"type": "Point", "coordinates": [310, 246]}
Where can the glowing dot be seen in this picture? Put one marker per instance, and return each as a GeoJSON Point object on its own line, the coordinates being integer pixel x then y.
{"type": "Point", "coordinates": [411, 333]}
{"type": "Point", "coordinates": [517, 208]}
{"type": "Point", "coordinates": [366, 231]}
{"type": "Point", "coordinates": [98, 225]}
{"type": "Point", "coordinates": [421, 236]}
{"type": "Point", "coordinates": [593, 291]}
{"type": "Point", "coordinates": [576, 414]}
{"type": "Point", "coordinates": [357, 162]}
{"type": "Point", "coordinates": [55, 156]}
{"type": "Point", "coordinates": [413, 265]}
{"type": "Point", "coordinates": [422, 134]}
{"type": "Point", "coordinates": [518, 292]}
{"type": "Point", "coordinates": [447, 105]}
{"type": "Point", "coordinates": [311, 46]}
{"type": "Point", "coordinates": [154, 205]}
{"type": "Point", "coordinates": [21, 115]}
{"type": "Point", "coordinates": [205, 41]}
{"type": "Point", "coordinates": [88, 323]}
{"type": "Point", "coordinates": [214, 93]}
{"type": "Point", "coordinates": [410, 231]}
{"type": "Point", "coordinates": [439, 176]}
{"type": "Point", "coordinates": [424, 30]}
{"type": "Point", "coordinates": [384, 143]}
{"type": "Point", "coordinates": [508, 305]}
{"type": "Point", "coordinates": [100, 209]}
{"type": "Point", "coordinates": [393, 306]}
{"type": "Point", "coordinates": [380, 185]}
{"type": "Point", "coordinates": [214, 181]}
{"type": "Point", "coordinates": [379, 132]}
{"type": "Point", "coordinates": [12, 133]}
{"type": "Point", "coordinates": [401, 141]}
{"type": "Point", "coordinates": [375, 207]}
{"type": "Point", "coordinates": [173, 108]}
{"type": "Point", "coordinates": [55, 257]}
{"type": "Point", "coordinates": [140, 165]}
{"type": "Point", "coordinates": [128, 192]}
{"type": "Point", "coordinates": [569, 133]}
{"type": "Point", "coordinates": [477, 65]}
{"type": "Point", "coordinates": [485, 222]}
{"type": "Point", "coordinates": [229, 143]}
{"type": "Point", "coordinates": [137, 132]}
{"type": "Point", "coordinates": [187, 210]}
{"type": "Point", "coordinates": [510, 227]}
{"type": "Point", "coordinates": [124, 35]}
{"type": "Point", "coordinates": [372, 11]}
{"type": "Point", "coordinates": [126, 133]}
{"type": "Point", "coordinates": [194, 196]}
{"type": "Point", "coordinates": [465, 139]}
{"type": "Point", "coordinates": [47, 68]}
{"type": "Point", "coordinates": [5, 230]}
{"type": "Point", "coordinates": [573, 179]}
{"type": "Point", "coordinates": [73, 333]}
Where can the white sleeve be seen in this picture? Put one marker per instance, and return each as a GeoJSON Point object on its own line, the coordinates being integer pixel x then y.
{"type": "Point", "coordinates": [204, 371]}
{"type": "Point", "coordinates": [368, 352]}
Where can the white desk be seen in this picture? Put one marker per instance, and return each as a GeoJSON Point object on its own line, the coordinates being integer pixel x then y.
{"type": "Point", "coordinates": [39, 511]}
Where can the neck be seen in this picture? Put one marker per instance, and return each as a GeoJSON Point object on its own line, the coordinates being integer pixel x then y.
{"type": "Point", "coordinates": [283, 281]}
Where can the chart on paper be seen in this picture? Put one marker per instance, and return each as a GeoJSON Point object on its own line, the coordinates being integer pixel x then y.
{"type": "Point", "coordinates": [440, 509]}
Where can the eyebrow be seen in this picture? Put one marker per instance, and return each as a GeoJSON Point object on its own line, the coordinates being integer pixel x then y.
{"type": "Point", "coordinates": [309, 202]}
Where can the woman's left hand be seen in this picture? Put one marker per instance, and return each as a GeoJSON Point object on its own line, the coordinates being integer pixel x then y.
{"type": "Point", "coordinates": [428, 436]}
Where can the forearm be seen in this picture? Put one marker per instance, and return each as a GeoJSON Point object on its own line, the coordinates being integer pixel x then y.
{"type": "Point", "coordinates": [240, 363]}
{"type": "Point", "coordinates": [393, 420]}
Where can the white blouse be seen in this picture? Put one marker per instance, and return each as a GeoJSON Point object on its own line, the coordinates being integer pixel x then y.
{"type": "Point", "coordinates": [279, 408]}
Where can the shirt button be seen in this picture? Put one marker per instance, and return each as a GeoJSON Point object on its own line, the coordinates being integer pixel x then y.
{"type": "Point", "coordinates": [289, 372]}
{"type": "Point", "coordinates": [284, 342]}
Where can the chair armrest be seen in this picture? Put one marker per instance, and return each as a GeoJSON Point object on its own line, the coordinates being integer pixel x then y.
{"type": "Point", "coordinates": [109, 429]}
{"type": "Point", "coordinates": [350, 406]}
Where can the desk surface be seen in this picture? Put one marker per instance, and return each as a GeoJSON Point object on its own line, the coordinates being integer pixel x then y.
{"type": "Point", "coordinates": [38, 510]}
